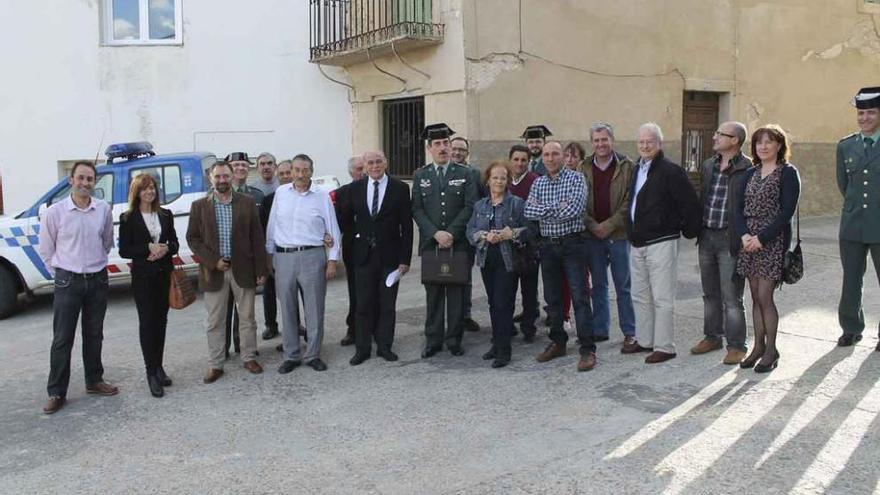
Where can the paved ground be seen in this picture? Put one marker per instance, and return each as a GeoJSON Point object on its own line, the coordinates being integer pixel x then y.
{"type": "Point", "coordinates": [453, 425]}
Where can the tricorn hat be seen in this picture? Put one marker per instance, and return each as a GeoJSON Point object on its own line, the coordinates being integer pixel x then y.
{"type": "Point", "coordinates": [237, 156]}
{"type": "Point", "coordinates": [867, 98]}
{"type": "Point", "coordinates": [437, 131]}
{"type": "Point", "coordinates": [539, 131]}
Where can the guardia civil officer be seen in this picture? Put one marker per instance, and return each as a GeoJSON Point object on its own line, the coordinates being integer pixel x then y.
{"type": "Point", "coordinates": [535, 136]}
{"type": "Point", "coordinates": [858, 177]}
{"type": "Point", "coordinates": [443, 197]}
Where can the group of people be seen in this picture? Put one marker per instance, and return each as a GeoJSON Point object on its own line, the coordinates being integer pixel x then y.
{"type": "Point", "coordinates": [547, 209]}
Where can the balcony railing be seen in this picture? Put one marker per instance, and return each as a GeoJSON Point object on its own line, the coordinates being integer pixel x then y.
{"type": "Point", "coordinates": [341, 31]}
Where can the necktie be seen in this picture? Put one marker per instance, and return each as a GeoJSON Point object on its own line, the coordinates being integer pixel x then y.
{"type": "Point", "coordinates": [442, 173]}
{"type": "Point", "coordinates": [869, 142]}
{"type": "Point", "coordinates": [374, 209]}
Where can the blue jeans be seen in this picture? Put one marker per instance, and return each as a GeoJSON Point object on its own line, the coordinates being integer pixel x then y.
{"type": "Point", "coordinates": [601, 254]}
{"type": "Point", "coordinates": [567, 258]}
{"type": "Point", "coordinates": [724, 314]}
{"type": "Point", "coordinates": [501, 290]}
{"type": "Point", "coordinates": [77, 295]}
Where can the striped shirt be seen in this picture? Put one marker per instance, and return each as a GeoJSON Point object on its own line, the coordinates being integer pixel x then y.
{"type": "Point", "coordinates": [558, 204]}
{"type": "Point", "coordinates": [223, 212]}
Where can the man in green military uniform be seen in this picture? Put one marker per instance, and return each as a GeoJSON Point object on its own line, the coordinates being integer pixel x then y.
{"type": "Point", "coordinates": [858, 177]}
{"type": "Point", "coordinates": [443, 197]}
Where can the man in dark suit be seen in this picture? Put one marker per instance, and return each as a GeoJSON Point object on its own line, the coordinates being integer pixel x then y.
{"type": "Point", "coordinates": [228, 262]}
{"type": "Point", "coordinates": [342, 203]}
{"type": "Point", "coordinates": [443, 198]}
{"type": "Point", "coordinates": [382, 229]}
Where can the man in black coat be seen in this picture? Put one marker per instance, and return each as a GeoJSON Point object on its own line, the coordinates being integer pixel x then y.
{"type": "Point", "coordinates": [380, 214]}
{"type": "Point", "coordinates": [342, 204]}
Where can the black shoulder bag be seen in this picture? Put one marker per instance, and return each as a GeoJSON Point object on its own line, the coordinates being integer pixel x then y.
{"type": "Point", "coordinates": [793, 263]}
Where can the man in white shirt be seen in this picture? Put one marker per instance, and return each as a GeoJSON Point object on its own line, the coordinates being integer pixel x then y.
{"type": "Point", "coordinates": [299, 219]}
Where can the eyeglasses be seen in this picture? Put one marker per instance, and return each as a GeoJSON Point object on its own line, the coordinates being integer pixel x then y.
{"type": "Point", "coordinates": [719, 133]}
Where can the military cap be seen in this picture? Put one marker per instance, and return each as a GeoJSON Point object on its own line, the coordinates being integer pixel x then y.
{"type": "Point", "coordinates": [237, 156]}
{"type": "Point", "coordinates": [437, 131]}
{"type": "Point", "coordinates": [536, 132]}
{"type": "Point", "coordinates": [867, 98]}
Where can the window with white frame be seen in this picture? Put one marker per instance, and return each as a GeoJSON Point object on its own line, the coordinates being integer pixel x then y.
{"type": "Point", "coordinates": [142, 22]}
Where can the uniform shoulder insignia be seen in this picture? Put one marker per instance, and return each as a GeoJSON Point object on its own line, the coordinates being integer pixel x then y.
{"type": "Point", "coordinates": [851, 136]}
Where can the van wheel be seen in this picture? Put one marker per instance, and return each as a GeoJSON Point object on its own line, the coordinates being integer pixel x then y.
{"type": "Point", "coordinates": [8, 293]}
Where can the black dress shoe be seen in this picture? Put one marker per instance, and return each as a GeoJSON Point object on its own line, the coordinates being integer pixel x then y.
{"type": "Point", "coordinates": [430, 351]}
{"type": "Point", "coordinates": [489, 355]}
{"type": "Point", "coordinates": [357, 359]}
{"type": "Point", "coordinates": [155, 386]}
{"type": "Point", "coordinates": [288, 366]}
{"type": "Point", "coordinates": [163, 378]}
{"type": "Point", "coordinates": [456, 350]}
{"type": "Point", "coordinates": [517, 317]}
{"type": "Point", "coordinates": [848, 339]}
{"type": "Point", "coordinates": [600, 338]}
{"type": "Point", "coordinates": [470, 325]}
{"type": "Point", "coordinates": [279, 347]}
{"type": "Point", "coordinates": [528, 333]}
{"type": "Point", "coordinates": [317, 365]}
{"type": "Point", "coordinates": [270, 332]}
{"type": "Point", "coordinates": [347, 340]}
{"type": "Point", "coordinates": [387, 355]}
{"type": "Point", "coordinates": [500, 362]}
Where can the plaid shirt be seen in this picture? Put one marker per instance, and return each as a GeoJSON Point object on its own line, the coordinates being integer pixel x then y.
{"type": "Point", "coordinates": [715, 209]}
{"type": "Point", "coordinates": [223, 212]}
{"type": "Point", "coordinates": [558, 204]}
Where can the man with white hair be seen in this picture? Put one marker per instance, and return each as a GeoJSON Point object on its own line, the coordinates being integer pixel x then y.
{"type": "Point", "coordinates": [342, 203]}
{"type": "Point", "coordinates": [664, 206]}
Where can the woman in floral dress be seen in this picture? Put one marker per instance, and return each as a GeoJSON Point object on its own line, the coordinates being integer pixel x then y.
{"type": "Point", "coordinates": [768, 201]}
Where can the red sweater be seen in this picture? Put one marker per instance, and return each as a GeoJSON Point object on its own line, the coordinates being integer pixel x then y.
{"type": "Point", "coordinates": [522, 189]}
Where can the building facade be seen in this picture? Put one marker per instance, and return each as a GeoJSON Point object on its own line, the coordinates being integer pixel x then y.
{"type": "Point", "coordinates": [490, 67]}
{"type": "Point", "coordinates": [216, 76]}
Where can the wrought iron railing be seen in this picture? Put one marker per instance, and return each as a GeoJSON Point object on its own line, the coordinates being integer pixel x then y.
{"type": "Point", "coordinates": [341, 26]}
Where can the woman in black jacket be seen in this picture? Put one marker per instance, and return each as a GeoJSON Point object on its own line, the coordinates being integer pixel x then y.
{"type": "Point", "coordinates": [767, 201]}
{"type": "Point", "coordinates": [147, 237]}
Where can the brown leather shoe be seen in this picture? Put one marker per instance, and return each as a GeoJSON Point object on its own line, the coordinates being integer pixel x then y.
{"type": "Point", "coordinates": [54, 403]}
{"type": "Point", "coordinates": [706, 345]}
{"type": "Point", "coordinates": [634, 348]}
{"type": "Point", "coordinates": [212, 375]}
{"type": "Point", "coordinates": [587, 362]}
{"type": "Point", "coordinates": [552, 351]}
{"type": "Point", "coordinates": [102, 388]}
{"type": "Point", "coordinates": [253, 366]}
{"type": "Point", "coordinates": [658, 357]}
{"type": "Point", "coordinates": [734, 356]}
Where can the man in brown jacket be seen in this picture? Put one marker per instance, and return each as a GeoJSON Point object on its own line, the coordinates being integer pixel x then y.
{"type": "Point", "coordinates": [228, 262]}
{"type": "Point", "coordinates": [608, 179]}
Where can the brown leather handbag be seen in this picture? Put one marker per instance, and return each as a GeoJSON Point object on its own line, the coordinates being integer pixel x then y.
{"type": "Point", "coordinates": [445, 267]}
{"type": "Point", "coordinates": [181, 291]}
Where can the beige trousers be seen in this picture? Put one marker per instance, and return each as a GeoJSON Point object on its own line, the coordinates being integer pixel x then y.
{"type": "Point", "coordinates": [215, 302]}
{"type": "Point", "coordinates": [653, 272]}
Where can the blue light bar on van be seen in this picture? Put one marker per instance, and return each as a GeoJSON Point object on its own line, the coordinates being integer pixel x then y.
{"type": "Point", "coordinates": [128, 150]}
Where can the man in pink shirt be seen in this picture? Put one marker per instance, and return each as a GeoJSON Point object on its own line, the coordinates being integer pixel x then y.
{"type": "Point", "coordinates": [76, 235]}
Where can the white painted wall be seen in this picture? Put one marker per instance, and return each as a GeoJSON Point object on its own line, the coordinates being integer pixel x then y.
{"type": "Point", "coordinates": [240, 81]}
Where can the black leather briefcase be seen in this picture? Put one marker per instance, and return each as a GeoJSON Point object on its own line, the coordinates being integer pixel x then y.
{"type": "Point", "coordinates": [445, 267]}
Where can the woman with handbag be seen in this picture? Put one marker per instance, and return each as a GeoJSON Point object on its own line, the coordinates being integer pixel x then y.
{"type": "Point", "coordinates": [767, 203]}
{"type": "Point", "coordinates": [497, 229]}
{"type": "Point", "coordinates": [147, 237]}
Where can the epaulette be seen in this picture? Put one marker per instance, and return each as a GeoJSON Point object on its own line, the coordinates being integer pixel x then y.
{"type": "Point", "coordinates": [851, 136]}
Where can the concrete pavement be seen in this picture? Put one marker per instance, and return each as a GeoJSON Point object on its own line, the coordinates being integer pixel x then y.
{"type": "Point", "coordinates": [453, 425]}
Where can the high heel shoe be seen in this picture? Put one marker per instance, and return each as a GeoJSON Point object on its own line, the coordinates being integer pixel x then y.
{"type": "Point", "coordinates": [750, 361]}
{"type": "Point", "coordinates": [766, 368]}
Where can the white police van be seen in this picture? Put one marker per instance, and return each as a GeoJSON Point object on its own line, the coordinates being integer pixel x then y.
{"type": "Point", "coordinates": [182, 179]}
